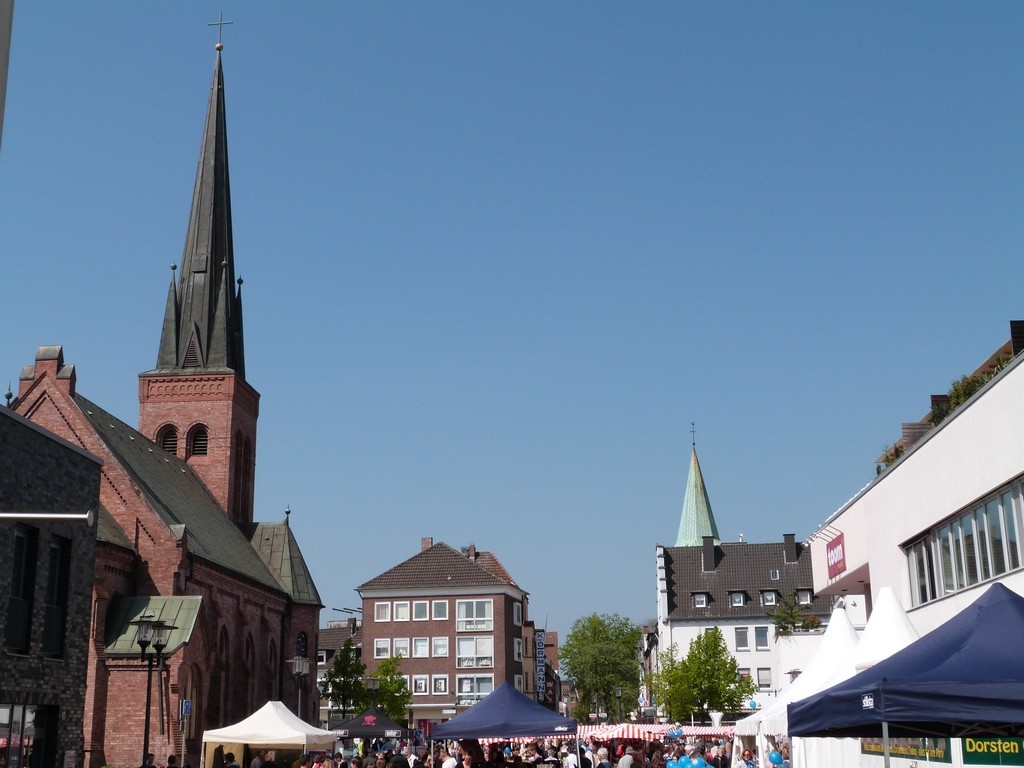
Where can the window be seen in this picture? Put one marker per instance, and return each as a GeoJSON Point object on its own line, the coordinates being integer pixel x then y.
{"type": "Point", "coordinates": [167, 439]}
{"type": "Point", "coordinates": [768, 597]}
{"type": "Point", "coordinates": [440, 610]}
{"type": "Point", "coordinates": [518, 682]}
{"type": "Point", "coordinates": [420, 685]}
{"type": "Point", "coordinates": [56, 605]}
{"type": "Point", "coordinates": [979, 544]}
{"type": "Point", "coordinates": [382, 611]}
{"type": "Point", "coordinates": [381, 648]}
{"type": "Point", "coordinates": [761, 638]}
{"type": "Point", "coordinates": [474, 652]}
{"type": "Point", "coordinates": [773, 574]}
{"type": "Point", "coordinates": [420, 648]}
{"type": "Point", "coordinates": [440, 683]}
{"type": "Point", "coordinates": [737, 599]}
{"type": "Point", "coordinates": [474, 616]}
{"type": "Point", "coordinates": [402, 647]}
{"type": "Point", "coordinates": [419, 610]}
{"type": "Point", "coordinates": [198, 441]}
{"type": "Point", "coordinates": [517, 613]}
{"type": "Point", "coordinates": [472, 688]}
{"type": "Point", "coordinates": [301, 646]}
{"type": "Point", "coordinates": [743, 673]}
{"type": "Point", "coordinates": [764, 678]}
{"type": "Point", "coordinates": [517, 649]}
{"type": "Point", "coordinates": [439, 646]}
{"type": "Point", "coordinates": [742, 641]}
{"type": "Point", "coordinates": [19, 605]}
{"type": "Point", "coordinates": [804, 596]}
{"type": "Point", "coordinates": [321, 656]}
{"type": "Point", "coordinates": [700, 600]}
{"type": "Point", "coordinates": [402, 611]}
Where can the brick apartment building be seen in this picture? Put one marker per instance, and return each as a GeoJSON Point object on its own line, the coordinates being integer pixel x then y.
{"type": "Point", "coordinates": [49, 500]}
{"type": "Point", "coordinates": [456, 618]}
{"type": "Point", "coordinates": [177, 537]}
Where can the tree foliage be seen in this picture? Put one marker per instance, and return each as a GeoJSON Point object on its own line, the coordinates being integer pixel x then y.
{"type": "Point", "coordinates": [790, 616]}
{"type": "Point", "coordinates": [393, 695]}
{"type": "Point", "coordinates": [343, 683]}
{"type": "Point", "coordinates": [705, 680]}
{"type": "Point", "coordinates": [601, 653]}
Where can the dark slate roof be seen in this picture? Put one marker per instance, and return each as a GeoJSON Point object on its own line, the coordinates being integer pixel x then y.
{"type": "Point", "coordinates": [202, 326]}
{"type": "Point", "coordinates": [276, 544]}
{"type": "Point", "coordinates": [441, 567]}
{"type": "Point", "coordinates": [107, 530]}
{"type": "Point", "coordinates": [179, 497]}
{"type": "Point", "coordinates": [739, 566]}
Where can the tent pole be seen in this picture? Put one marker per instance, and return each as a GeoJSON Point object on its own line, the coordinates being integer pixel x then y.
{"type": "Point", "coordinates": [885, 742]}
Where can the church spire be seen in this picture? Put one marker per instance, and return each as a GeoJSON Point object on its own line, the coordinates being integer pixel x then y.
{"type": "Point", "coordinates": [202, 327]}
{"type": "Point", "coordinates": [697, 520]}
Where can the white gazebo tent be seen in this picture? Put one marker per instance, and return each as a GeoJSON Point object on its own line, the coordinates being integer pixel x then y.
{"type": "Point", "coordinates": [888, 630]}
{"type": "Point", "coordinates": [834, 655]}
{"type": "Point", "coordinates": [273, 726]}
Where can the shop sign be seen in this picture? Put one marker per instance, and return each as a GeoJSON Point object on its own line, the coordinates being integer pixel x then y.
{"type": "Point", "coordinates": [992, 751]}
{"type": "Point", "coordinates": [932, 750]}
{"type": "Point", "coordinates": [835, 556]}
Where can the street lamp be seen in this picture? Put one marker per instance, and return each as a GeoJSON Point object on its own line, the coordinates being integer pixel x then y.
{"type": "Point", "coordinates": [618, 695]}
{"type": "Point", "coordinates": [597, 710]}
{"type": "Point", "coordinates": [300, 668]}
{"type": "Point", "coordinates": [151, 632]}
{"type": "Point", "coordinates": [372, 686]}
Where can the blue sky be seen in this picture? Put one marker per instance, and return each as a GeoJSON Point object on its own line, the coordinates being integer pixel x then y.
{"type": "Point", "coordinates": [499, 256]}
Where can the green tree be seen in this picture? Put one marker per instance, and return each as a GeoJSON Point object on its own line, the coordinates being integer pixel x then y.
{"type": "Point", "coordinates": [790, 616]}
{"type": "Point", "coordinates": [706, 680]}
{"type": "Point", "coordinates": [343, 683]}
{"type": "Point", "coordinates": [393, 695]}
{"type": "Point", "coordinates": [601, 653]}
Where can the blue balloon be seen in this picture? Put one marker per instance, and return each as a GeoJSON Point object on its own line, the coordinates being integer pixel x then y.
{"type": "Point", "coordinates": [673, 763]}
{"type": "Point", "coordinates": [753, 704]}
{"type": "Point", "coordinates": [699, 762]}
{"type": "Point", "coordinates": [775, 757]}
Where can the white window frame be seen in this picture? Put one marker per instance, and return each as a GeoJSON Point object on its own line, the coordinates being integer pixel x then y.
{"type": "Point", "coordinates": [518, 682]}
{"type": "Point", "coordinates": [401, 647]}
{"type": "Point", "coordinates": [758, 646]}
{"type": "Point", "coordinates": [517, 649]}
{"type": "Point", "coordinates": [472, 692]}
{"type": "Point", "coordinates": [382, 612]}
{"type": "Point", "coordinates": [421, 685]}
{"type": "Point", "coordinates": [517, 613]}
{"type": "Point", "coordinates": [700, 599]}
{"type": "Point", "coordinates": [425, 605]}
{"type": "Point", "coordinates": [436, 648]}
{"type": "Point", "coordinates": [770, 598]}
{"type": "Point", "coordinates": [382, 648]}
{"type": "Point", "coordinates": [745, 632]}
{"type": "Point", "coordinates": [439, 610]}
{"type": "Point", "coordinates": [804, 596]}
{"type": "Point", "coordinates": [421, 648]}
{"type": "Point", "coordinates": [403, 607]}
{"type": "Point", "coordinates": [475, 623]}
{"type": "Point", "coordinates": [764, 678]}
{"type": "Point", "coordinates": [737, 599]}
{"type": "Point", "coordinates": [440, 684]}
{"type": "Point", "coordinates": [482, 656]}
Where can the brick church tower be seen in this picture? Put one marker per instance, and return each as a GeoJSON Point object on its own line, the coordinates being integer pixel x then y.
{"type": "Point", "coordinates": [196, 403]}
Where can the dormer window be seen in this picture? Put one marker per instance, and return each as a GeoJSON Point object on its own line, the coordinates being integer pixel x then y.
{"type": "Point", "coordinates": [700, 599]}
{"type": "Point", "coordinates": [737, 599]}
{"type": "Point", "coordinates": [769, 597]}
{"type": "Point", "coordinates": [804, 596]}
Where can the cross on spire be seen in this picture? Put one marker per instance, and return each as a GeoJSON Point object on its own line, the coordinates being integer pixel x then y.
{"type": "Point", "coordinates": [219, 24]}
{"type": "Point", "coordinates": [693, 434]}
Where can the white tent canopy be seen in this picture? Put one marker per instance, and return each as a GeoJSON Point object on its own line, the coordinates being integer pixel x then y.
{"type": "Point", "coordinates": [273, 726]}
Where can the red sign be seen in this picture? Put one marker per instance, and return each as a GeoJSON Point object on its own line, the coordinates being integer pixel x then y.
{"type": "Point", "coordinates": [835, 556]}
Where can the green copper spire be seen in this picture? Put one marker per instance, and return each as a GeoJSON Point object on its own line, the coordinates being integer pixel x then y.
{"type": "Point", "coordinates": [697, 520]}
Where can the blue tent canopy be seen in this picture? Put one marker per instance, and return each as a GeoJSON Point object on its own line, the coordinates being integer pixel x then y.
{"type": "Point", "coordinates": [964, 678]}
{"type": "Point", "coordinates": [503, 714]}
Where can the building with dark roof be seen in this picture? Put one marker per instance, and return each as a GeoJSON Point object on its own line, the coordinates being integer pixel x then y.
{"type": "Point", "coordinates": [456, 618]}
{"type": "Point", "coordinates": [176, 536]}
{"type": "Point", "coordinates": [734, 586]}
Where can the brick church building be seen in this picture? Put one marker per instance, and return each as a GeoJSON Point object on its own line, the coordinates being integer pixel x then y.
{"type": "Point", "coordinates": [176, 538]}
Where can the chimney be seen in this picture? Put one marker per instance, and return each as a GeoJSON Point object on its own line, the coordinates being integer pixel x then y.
{"type": "Point", "coordinates": [708, 553]}
{"type": "Point", "coordinates": [1017, 336]}
{"type": "Point", "coordinates": [471, 552]}
{"type": "Point", "coordinates": [426, 543]}
{"type": "Point", "coordinates": [789, 546]}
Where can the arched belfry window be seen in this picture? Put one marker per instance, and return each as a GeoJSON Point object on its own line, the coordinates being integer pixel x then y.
{"type": "Point", "coordinates": [198, 441]}
{"type": "Point", "coordinates": [168, 439]}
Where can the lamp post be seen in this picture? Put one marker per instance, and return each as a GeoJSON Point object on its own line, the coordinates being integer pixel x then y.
{"type": "Point", "coordinates": [300, 668]}
{"type": "Point", "coordinates": [618, 696]}
{"type": "Point", "coordinates": [597, 709]}
{"type": "Point", "coordinates": [372, 686]}
{"type": "Point", "coordinates": [151, 632]}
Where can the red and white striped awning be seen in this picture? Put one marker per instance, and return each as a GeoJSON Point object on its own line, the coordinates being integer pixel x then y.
{"type": "Point", "coordinates": [626, 732]}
